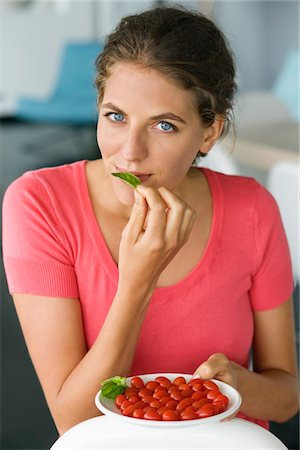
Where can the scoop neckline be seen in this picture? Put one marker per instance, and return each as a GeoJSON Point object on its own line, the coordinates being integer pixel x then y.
{"type": "Point", "coordinates": [208, 254]}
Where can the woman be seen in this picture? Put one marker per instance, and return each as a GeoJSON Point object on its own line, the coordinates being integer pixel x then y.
{"type": "Point", "coordinates": [189, 272]}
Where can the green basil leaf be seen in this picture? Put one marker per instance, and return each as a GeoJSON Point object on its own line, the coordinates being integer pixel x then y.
{"type": "Point", "coordinates": [129, 178]}
{"type": "Point", "coordinates": [113, 387]}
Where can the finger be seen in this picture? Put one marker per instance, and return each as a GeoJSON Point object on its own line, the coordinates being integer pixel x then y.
{"type": "Point", "coordinates": [176, 212]}
{"type": "Point", "coordinates": [137, 217]}
{"type": "Point", "coordinates": [156, 217]}
{"type": "Point", "coordinates": [187, 225]}
{"type": "Point", "coordinates": [215, 367]}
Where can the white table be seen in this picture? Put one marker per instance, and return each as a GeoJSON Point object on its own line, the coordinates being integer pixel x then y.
{"type": "Point", "coordinates": [107, 433]}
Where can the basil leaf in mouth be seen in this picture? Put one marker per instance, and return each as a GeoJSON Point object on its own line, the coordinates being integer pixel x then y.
{"type": "Point", "coordinates": [129, 178]}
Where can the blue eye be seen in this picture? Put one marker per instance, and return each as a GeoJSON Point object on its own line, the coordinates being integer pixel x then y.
{"type": "Point", "coordinates": [117, 117]}
{"type": "Point", "coordinates": [166, 126]}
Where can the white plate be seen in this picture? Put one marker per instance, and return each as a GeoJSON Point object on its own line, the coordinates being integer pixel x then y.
{"type": "Point", "coordinates": [108, 407]}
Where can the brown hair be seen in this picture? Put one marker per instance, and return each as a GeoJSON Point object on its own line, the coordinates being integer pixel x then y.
{"type": "Point", "coordinates": [186, 46]}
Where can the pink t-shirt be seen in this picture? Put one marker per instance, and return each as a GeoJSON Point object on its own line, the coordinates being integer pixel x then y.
{"type": "Point", "coordinates": [53, 246]}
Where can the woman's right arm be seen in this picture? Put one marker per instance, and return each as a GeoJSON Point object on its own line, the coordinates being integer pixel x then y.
{"type": "Point", "coordinates": [69, 374]}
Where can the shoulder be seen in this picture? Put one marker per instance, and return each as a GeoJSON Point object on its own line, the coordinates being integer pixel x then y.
{"type": "Point", "coordinates": [242, 190]}
{"type": "Point", "coordinates": [45, 182]}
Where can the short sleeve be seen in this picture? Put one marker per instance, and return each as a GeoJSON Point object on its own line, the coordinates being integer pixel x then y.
{"type": "Point", "coordinates": [272, 280]}
{"type": "Point", "coordinates": [35, 256]}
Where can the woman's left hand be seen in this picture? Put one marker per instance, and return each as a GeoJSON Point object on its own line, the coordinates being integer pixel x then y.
{"type": "Point", "coordinates": [218, 366]}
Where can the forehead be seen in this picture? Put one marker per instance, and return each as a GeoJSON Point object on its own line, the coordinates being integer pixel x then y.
{"type": "Point", "coordinates": [130, 83]}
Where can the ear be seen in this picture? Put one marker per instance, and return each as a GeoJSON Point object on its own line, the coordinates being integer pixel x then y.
{"type": "Point", "coordinates": [212, 134]}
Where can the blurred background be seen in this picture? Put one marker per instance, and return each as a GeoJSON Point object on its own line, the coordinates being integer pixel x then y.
{"type": "Point", "coordinates": [48, 117]}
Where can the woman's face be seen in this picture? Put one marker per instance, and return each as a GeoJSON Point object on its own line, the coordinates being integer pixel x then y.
{"type": "Point", "coordinates": [148, 126]}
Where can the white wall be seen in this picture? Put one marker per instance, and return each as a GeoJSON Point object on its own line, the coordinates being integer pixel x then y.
{"type": "Point", "coordinates": [32, 37]}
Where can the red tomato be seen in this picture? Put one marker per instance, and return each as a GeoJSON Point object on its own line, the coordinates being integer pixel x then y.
{"type": "Point", "coordinates": [172, 389]}
{"type": "Point", "coordinates": [172, 404]}
{"type": "Point", "coordinates": [176, 395]}
{"type": "Point", "coordinates": [197, 395]}
{"type": "Point", "coordinates": [188, 414]}
{"type": "Point", "coordinates": [138, 414]}
{"type": "Point", "coordinates": [165, 400]}
{"type": "Point", "coordinates": [152, 385]}
{"type": "Point", "coordinates": [152, 415]}
{"type": "Point", "coordinates": [133, 399]}
{"type": "Point", "coordinates": [128, 411]}
{"type": "Point", "coordinates": [179, 380]}
{"type": "Point", "coordinates": [198, 403]}
{"type": "Point", "coordinates": [206, 410]}
{"type": "Point", "coordinates": [214, 393]}
{"type": "Point", "coordinates": [162, 409]}
{"type": "Point", "coordinates": [143, 392]}
{"type": "Point", "coordinates": [197, 387]}
{"type": "Point", "coordinates": [219, 405]}
{"type": "Point", "coordinates": [186, 393]}
{"type": "Point", "coordinates": [222, 398]}
{"type": "Point", "coordinates": [130, 391]}
{"type": "Point", "coordinates": [184, 386]}
{"type": "Point", "coordinates": [163, 381]}
{"type": "Point", "coordinates": [160, 394]}
{"type": "Point", "coordinates": [183, 404]}
{"type": "Point", "coordinates": [208, 384]}
{"type": "Point", "coordinates": [195, 381]}
{"type": "Point", "coordinates": [155, 404]}
{"type": "Point", "coordinates": [137, 382]}
{"type": "Point", "coordinates": [119, 400]}
{"type": "Point", "coordinates": [148, 398]}
{"type": "Point", "coordinates": [170, 414]}
{"type": "Point", "coordinates": [141, 404]}
{"type": "Point", "coordinates": [125, 404]}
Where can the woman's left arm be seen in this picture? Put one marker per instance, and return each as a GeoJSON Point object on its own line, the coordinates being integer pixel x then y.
{"type": "Point", "coordinates": [270, 392]}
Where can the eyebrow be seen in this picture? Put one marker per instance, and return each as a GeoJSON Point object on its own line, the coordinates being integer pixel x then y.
{"type": "Point", "coordinates": [167, 115]}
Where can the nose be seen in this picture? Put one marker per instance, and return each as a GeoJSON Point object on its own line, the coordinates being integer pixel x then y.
{"type": "Point", "coordinates": [135, 146]}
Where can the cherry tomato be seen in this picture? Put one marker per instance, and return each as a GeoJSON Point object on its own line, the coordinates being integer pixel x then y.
{"type": "Point", "coordinates": [188, 414]}
{"type": "Point", "coordinates": [186, 393]}
{"type": "Point", "coordinates": [138, 413]}
{"type": "Point", "coordinates": [140, 404]}
{"type": "Point", "coordinates": [148, 398]}
{"type": "Point", "coordinates": [170, 414]}
{"type": "Point", "coordinates": [152, 415]}
{"type": "Point", "coordinates": [172, 404]}
{"type": "Point", "coordinates": [134, 399]}
{"type": "Point", "coordinates": [184, 386]}
{"type": "Point", "coordinates": [219, 405]}
{"type": "Point", "coordinates": [137, 382]}
{"type": "Point", "coordinates": [197, 387]}
{"type": "Point", "coordinates": [152, 385]}
{"type": "Point", "coordinates": [125, 404]}
{"type": "Point", "coordinates": [195, 381]}
{"type": "Point", "coordinates": [130, 391]}
{"type": "Point", "coordinates": [160, 394]}
{"type": "Point", "coordinates": [172, 389]}
{"type": "Point", "coordinates": [214, 393]}
{"type": "Point", "coordinates": [198, 403]}
{"type": "Point", "coordinates": [176, 395]}
{"type": "Point", "coordinates": [222, 398]}
{"type": "Point", "coordinates": [119, 400]}
{"type": "Point", "coordinates": [162, 409]}
{"type": "Point", "coordinates": [163, 381]}
{"type": "Point", "coordinates": [208, 384]}
{"type": "Point", "coordinates": [179, 380]}
{"type": "Point", "coordinates": [206, 410]}
{"type": "Point", "coordinates": [197, 395]}
{"type": "Point", "coordinates": [155, 404]}
{"type": "Point", "coordinates": [165, 400]}
{"type": "Point", "coordinates": [183, 404]}
{"type": "Point", "coordinates": [128, 411]}
{"type": "Point", "coordinates": [143, 392]}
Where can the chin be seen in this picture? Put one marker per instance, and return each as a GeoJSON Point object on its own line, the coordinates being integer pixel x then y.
{"type": "Point", "coordinates": [125, 195]}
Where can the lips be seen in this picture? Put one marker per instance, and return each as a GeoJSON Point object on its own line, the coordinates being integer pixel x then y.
{"type": "Point", "coordinates": [142, 176]}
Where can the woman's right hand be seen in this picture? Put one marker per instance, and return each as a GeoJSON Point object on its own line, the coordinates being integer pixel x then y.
{"type": "Point", "coordinates": [159, 225]}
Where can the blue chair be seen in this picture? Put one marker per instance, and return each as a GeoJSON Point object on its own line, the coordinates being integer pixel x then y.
{"type": "Point", "coordinates": [74, 98]}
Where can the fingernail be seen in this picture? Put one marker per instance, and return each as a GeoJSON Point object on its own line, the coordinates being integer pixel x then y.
{"type": "Point", "coordinates": [140, 187]}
